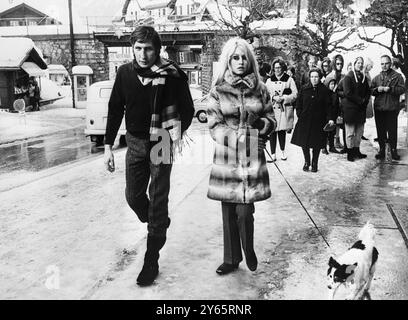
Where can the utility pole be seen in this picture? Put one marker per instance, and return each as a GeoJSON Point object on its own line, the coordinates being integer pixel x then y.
{"type": "Point", "coordinates": [298, 13]}
{"type": "Point", "coordinates": [73, 63]}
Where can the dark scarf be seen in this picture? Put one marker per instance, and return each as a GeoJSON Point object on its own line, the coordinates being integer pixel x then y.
{"type": "Point", "coordinates": [164, 113]}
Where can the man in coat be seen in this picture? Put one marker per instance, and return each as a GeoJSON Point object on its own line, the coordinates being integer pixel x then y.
{"type": "Point", "coordinates": [387, 88]}
{"type": "Point", "coordinates": [158, 104]}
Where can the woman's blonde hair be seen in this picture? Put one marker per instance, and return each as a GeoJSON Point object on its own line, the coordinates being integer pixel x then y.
{"type": "Point", "coordinates": [228, 50]}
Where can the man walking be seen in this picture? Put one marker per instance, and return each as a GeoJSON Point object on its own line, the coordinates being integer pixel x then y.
{"type": "Point", "coordinates": [387, 88]}
{"type": "Point", "coordinates": [157, 98]}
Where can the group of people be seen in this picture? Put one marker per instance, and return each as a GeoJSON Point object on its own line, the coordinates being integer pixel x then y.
{"type": "Point", "coordinates": [244, 113]}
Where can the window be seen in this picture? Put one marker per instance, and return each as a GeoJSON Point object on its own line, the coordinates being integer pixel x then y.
{"type": "Point", "coordinates": [14, 23]}
{"type": "Point", "coordinates": [164, 12]}
{"type": "Point", "coordinates": [188, 9]}
{"type": "Point", "coordinates": [181, 57]}
{"type": "Point", "coordinates": [32, 23]}
{"type": "Point", "coordinates": [181, 10]}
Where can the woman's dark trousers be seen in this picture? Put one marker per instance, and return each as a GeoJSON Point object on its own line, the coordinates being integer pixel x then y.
{"type": "Point", "coordinates": [315, 159]}
{"type": "Point", "coordinates": [281, 135]}
{"type": "Point", "coordinates": [238, 226]}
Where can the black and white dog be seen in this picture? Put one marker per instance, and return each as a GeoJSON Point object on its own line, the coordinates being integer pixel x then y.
{"type": "Point", "coordinates": [355, 268]}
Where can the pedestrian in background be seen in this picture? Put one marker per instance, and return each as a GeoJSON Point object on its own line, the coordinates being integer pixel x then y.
{"type": "Point", "coordinates": [326, 68]}
{"type": "Point", "coordinates": [238, 103]}
{"type": "Point", "coordinates": [354, 102]}
{"type": "Point", "coordinates": [368, 66]}
{"type": "Point", "coordinates": [283, 92]}
{"type": "Point", "coordinates": [387, 88]}
{"type": "Point", "coordinates": [33, 94]}
{"type": "Point", "coordinates": [311, 64]}
{"type": "Point", "coordinates": [157, 97]}
{"type": "Point", "coordinates": [337, 74]}
{"type": "Point", "coordinates": [314, 111]}
{"type": "Point", "coordinates": [334, 97]}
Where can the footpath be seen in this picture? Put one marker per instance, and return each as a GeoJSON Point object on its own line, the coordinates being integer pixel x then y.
{"type": "Point", "coordinates": [85, 230]}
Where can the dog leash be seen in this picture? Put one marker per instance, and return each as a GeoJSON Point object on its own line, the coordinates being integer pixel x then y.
{"type": "Point", "coordinates": [300, 201]}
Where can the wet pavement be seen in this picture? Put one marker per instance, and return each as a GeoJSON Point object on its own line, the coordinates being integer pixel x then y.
{"type": "Point", "coordinates": [74, 218]}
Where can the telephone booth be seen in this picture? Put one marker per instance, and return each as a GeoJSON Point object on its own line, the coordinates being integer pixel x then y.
{"type": "Point", "coordinates": [82, 81]}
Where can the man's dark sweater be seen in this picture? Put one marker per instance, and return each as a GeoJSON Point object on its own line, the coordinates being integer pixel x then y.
{"type": "Point", "coordinates": [130, 94]}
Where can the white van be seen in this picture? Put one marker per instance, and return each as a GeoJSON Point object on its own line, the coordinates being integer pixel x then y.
{"type": "Point", "coordinates": [97, 112]}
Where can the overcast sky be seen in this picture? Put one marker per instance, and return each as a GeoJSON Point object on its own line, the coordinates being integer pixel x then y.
{"type": "Point", "coordinates": [59, 8]}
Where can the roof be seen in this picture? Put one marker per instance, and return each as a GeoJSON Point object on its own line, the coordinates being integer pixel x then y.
{"type": "Point", "coordinates": [26, 6]}
{"type": "Point", "coordinates": [15, 51]}
{"type": "Point", "coordinates": [57, 68]}
{"type": "Point", "coordinates": [82, 69]}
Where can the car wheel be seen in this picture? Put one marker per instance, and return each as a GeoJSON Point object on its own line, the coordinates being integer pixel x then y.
{"type": "Point", "coordinates": [202, 116]}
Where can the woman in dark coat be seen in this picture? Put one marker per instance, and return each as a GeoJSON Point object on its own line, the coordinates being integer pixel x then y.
{"type": "Point", "coordinates": [356, 92]}
{"type": "Point", "coordinates": [314, 110]}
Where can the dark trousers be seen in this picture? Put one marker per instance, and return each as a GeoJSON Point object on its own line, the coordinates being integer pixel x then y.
{"type": "Point", "coordinates": [281, 135]}
{"type": "Point", "coordinates": [330, 138]}
{"type": "Point", "coordinates": [387, 128]}
{"type": "Point", "coordinates": [306, 154]}
{"type": "Point", "coordinates": [152, 209]}
{"type": "Point", "coordinates": [238, 226]}
{"type": "Point", "coordinates": [34, 103]}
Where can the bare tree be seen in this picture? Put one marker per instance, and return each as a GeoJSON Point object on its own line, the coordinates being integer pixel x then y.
{"type": "Point", "coordinates": [237, 15]}
{"type": "Point", "coordinates": [326, 30]}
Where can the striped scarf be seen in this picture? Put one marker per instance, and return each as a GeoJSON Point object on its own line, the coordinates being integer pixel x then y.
{"type": "Point", "coordinates": [164, 113]}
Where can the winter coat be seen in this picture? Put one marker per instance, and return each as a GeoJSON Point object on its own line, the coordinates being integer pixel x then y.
{"type": "Point", "coordinates": [286, 88]}
{"type": "Point", "coordinates": [355, 99]}
{"type": "Point", "coordinates": [388, 101]}
{"type": "Point", "coordinates": [314, 110]}
{"type": "Point", "coordinates": [233, 178]}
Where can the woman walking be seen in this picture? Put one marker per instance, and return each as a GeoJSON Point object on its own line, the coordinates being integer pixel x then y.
{"type": "Point", "coordinates": [239, 115]}
{"type": "Point", "coordinates": [283, 91]}
{"type": "Point", "coordinates": [314, 110]}
{"type": "Point", "coordinates": [356, 93]}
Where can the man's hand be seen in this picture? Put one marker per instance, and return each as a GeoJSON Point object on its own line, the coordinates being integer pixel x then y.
{"type": "Point", "coordinates": [109, 159]}
{"type": "Point", "coordinates": [331, 122]}
{"type": "Point", "coordinates": [380, 89]}
{"type": "Point", "coordinates": [386, 89]}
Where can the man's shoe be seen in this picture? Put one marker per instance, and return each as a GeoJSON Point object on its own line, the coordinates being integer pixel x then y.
{"type": "Point", "coordinates": [380, 155]}
{"type": "Point", "coordinates": [283, 157]}
{"type": "Point", "coordinates": [306, 166]}
{"type": "Point", "coordinates": [226, 268]}
{"type": "Point", "coordinates": [148, 274]}
{"type": "Point", "coordinates": [395, 155]}
{"type": "Point", "coordinates": [358, 154]}
{"type": "Point", "coordinates": [314, 167]}
{"type": "Point", "coordinates": [324, 151]}
{"type": "Point", "coordinates": [333, 150]}
{"type": "Point", "coordinates": [364, 138]}
{"type": "Point", "coordinates": [252, 261]}
{"type": "Point", "coordinates": [343, 151]}
{"type": "Point", "coordinates": [150, 268]}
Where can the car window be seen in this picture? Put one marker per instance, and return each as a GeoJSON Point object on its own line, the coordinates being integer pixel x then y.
{"type": "Point", "coordinates": [105, 92]}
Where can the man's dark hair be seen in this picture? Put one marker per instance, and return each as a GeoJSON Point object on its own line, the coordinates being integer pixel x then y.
{"type": "Point", "coordinates": [386, 56]}
{"type": "Point", "coordinates": [145, 34]}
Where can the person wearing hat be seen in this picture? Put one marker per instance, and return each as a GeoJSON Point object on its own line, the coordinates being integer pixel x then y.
{"type": "Point", "coordinates": [314, 111]}
{"type": "Point", "coordinates": [356, 93]}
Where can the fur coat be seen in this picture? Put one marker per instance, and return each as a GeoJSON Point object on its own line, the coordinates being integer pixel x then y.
{"type": "Point", "coordinates": [235, 177]}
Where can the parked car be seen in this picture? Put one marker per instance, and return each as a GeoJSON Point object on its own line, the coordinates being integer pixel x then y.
{"type": "Point", "coordinates": [97, 112]}
{"type": "Point", "coordinates": [200, 108]}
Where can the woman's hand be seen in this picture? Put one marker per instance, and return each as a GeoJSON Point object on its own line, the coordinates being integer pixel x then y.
{"type": "Point", "coordinates": [266, 128]}
{"type": "Point", "coordinates": [331, 122]}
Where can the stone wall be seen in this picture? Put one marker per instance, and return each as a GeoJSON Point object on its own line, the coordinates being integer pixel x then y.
{"type": "Point", "coordinates": [88, 51]}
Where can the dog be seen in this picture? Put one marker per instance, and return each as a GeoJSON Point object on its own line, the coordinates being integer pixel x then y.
{"type": "Point", "coordinates": [355, 268]}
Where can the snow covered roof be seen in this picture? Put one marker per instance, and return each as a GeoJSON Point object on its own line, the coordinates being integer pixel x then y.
{"type": "Point", "coordinates": [82, 69]}
{"type": "Point", "coordinates": [57, 68]}
{"type": "Point", "coordinates": [15, 51]}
